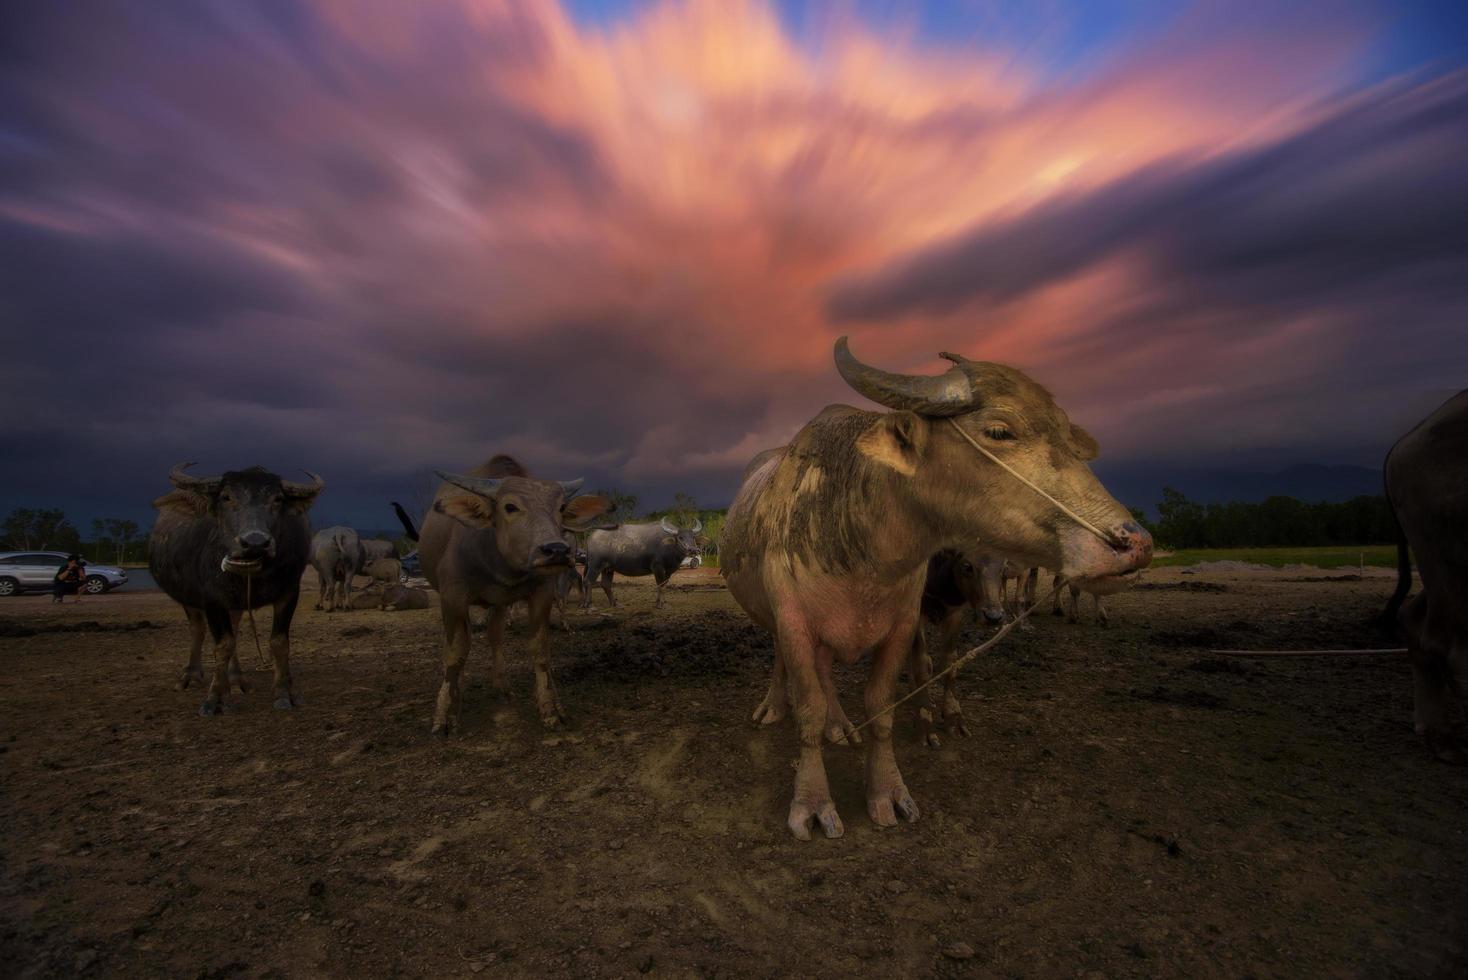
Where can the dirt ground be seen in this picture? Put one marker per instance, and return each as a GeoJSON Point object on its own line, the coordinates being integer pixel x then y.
{"type": "Point", "coordinates": [1127, 804]}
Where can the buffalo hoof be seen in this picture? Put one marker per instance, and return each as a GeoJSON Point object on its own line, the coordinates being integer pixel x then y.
{"type": "Point", "coordinates": [190, 675]}
{"type": "Point", "coordinates": [842, 732]}
{"type": "Point", "coordinates": [822, 814]}
{"type": "Point", "coordinates": [442, 731]}
{"type": "Point", "coordinates": [885, 807]}
{"type": "Point", "coordinates": [927, 732]}
{"type": "Point", "coordinates": [284, 703]}
{"type": "Point", "coordinates": [211, 708]}
{"type": "Point", "coordinates": [955, 724]}
{"type": "Point", "coordinates": [1445, 748]}
{"type": "Point", "coordinates": [770, 710]}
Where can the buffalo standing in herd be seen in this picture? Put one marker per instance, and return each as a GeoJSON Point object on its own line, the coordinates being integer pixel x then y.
{"type": "Point", "coordinates": [840, 544]}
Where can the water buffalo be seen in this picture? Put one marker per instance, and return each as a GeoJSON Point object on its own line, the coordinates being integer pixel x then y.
{"type": "Point", "coordinates": [399, 597]}
{"type": "Point", "coordinates": [955, 582]}
{"type": "Point", "coordinates": [1427, 485]}
{"type": "Point", "coordinates": [373, 549]}
{"type": "Point", "coordinates": [383, 571]}
{"type": "Point", "coordinates": [572, 576]}
{"type": "Point", "coordinates": [495, 537]}
{"type": "Point", "coordinates": [336, 554]}
{"type": "Point", "coordinates": [828, 540]}
{"type": "Point", "coordinates": [225, 544]}
{"type": "Point", "coordinates": [638, 549]}
{"type": "Point", "coordinates": [1095, 589]}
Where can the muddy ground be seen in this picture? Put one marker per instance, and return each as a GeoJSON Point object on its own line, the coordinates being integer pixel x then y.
{"type": "Point", "coordinates": [1127, 805]}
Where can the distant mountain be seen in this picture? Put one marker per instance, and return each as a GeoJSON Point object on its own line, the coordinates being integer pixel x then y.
{"type": "Point", "coordinates": [1140, 485]}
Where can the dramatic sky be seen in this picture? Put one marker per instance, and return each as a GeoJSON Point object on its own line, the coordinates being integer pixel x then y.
{"type": "Point", "coordinates": [618, 239]}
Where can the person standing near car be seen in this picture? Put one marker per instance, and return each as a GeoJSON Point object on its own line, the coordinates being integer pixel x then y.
{"type": "Point", "coordinates": [69, 579]}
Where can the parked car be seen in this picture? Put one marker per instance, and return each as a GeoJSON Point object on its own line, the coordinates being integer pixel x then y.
{"type": "Point", "coordinates": [35, 571]}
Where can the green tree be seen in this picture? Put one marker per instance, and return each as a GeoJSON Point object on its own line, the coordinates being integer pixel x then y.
{"type": "Point", "coordinates": [41, 529]}
{"type": "Point", "coordinates": [623, 505]}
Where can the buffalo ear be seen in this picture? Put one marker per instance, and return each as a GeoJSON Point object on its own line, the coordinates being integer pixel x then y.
{"type": "Point", "coordinates": [897, 440]}
{"type": "Point", "coordinates": [184, 502]}
{"type": "Point", "coordinates": [469, 509]}
{"type": "Point", "coordinates": [1085, 445]}
{"type": "Point", "coordinates": [578, 512]}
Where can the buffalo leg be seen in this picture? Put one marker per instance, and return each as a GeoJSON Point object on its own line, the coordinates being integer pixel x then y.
{"type": "Point", "coordinates": [839, 728]}
{"type": "Point", "coordinates": [455, 652]}
{"type": "Point", "coordinates": [948, 633]}
{"type": "Point", "coordinates": [920, 669]}
{"type": "Point", "coordinates": [194, 671]}
{"type": "Point", "coordinates": [1432, 680]}
{"type": "Point", "coordinates": [222, 629]}
{"type": "Point", "coordinates": [494, 633]}
{"type": "Point", "coordinates": [777, 699]}
{"type": "Point", "coordinates": [812, 797]}
{"type": "Point", "coordinates": [1101, 617]}
{"type": "Point", "coordinates": [885, 789]}
{"type": "Point", "coordinates": [1058, 607]}
{"type": "Point", "coordinates": [284, 688]}
{"type": "Point", "coordinates": [546, 698]}
{"type": "Point", "coordinates": [236, 672]}
{"type": "Point", "coordinates": [660, 576]}
{"type": "Point", "coordinates": [1073, 615]}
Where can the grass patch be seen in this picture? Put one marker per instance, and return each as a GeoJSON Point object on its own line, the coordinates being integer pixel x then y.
{"type": "Point", "coordinates": [1382, 555]}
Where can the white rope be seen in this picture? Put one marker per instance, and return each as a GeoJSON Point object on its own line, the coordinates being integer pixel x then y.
{"type": "Point", "coordinates": [1110, 539]}
{"type": "Point", "coordinates": [1309, 653]}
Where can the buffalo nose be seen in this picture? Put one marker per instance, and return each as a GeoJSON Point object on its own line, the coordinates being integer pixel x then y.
{"type": "Point", "coordinates": [1133, 539]}
{"type": "Point", "coordinates": [555, 548]}
{"type": "Point", "coordinates": [255, 540]}
{"type": "Point", "coordinates": [993, 617]}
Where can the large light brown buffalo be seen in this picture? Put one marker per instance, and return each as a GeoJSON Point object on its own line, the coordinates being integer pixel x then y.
{"type": "Point", "coordinates": [1427, 484]}
{"type": "Point", "coordinates": [827, 543]}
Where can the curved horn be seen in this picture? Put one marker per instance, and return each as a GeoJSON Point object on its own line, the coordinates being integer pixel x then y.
{"type": "Point", "coordinates": [199, 484]}
{"type": "Point", "coordinates": [569, 487]}
{"type": "Point", "coordinates": [474, 484]}
{"type": "Point", "coordinates": [304, 489]}
{"type": "Point", "coordinates": [669, 526]}
{"type": "Point", "coordinates": [947, 394]}
{"type": "Point", "coordinates": [697, 526]}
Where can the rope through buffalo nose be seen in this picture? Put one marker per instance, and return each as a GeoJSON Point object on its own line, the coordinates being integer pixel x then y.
{"type": "Point", "coordinates": [1115, 540]}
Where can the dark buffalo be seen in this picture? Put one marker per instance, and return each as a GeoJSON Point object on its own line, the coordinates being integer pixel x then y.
{"type": "Point", "coordinates": [225, 544]}
{"type": "Point", "coordinates": [828, 541]}
{"type": "Point", "coordinates": [638, 549]}
{"type": "Point", "coordinates": [1427, 484]}
{"type": "Point", "coordinates": [495, 537]}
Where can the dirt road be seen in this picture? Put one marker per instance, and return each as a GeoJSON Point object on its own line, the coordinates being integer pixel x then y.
{"type": "Point", "coordinates": [1126, 805]}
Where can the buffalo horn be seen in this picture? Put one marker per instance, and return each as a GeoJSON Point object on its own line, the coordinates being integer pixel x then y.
{"type": "Point", "coordinates": [569, 487]}
{"type": "Point", "coordinates": [474, 484]}
{"type": "Point", "coordinates": [942, 395]}
{"type": "Point", "coordinates": [303, 489]}
{"type": "Point", "coordinates": [697, 526]}
{"type": "Point", "coordinates": [199, 484]}
{"type": "Point", "coordinates": [668, 526]}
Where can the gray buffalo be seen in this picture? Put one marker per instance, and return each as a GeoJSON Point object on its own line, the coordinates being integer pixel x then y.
{"type": "Point", "coordinates": [1427, 484]}
{"type": "Point", "coordinates": [638, 549]}
{"type": "Point", "coordinates": [225, 544]}
{"type": "Point", "coordinates": [336, 554]}
{"type": "Point", "coordinates": [382, 572]}
{"type": "Point", "coordinates": [374, 548]}
{"type": "Point", "coordinates": [828, 540]}
{"type": "Point", "coordinates": [495, 537]}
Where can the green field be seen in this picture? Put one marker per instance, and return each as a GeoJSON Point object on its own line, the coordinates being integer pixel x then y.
{"type": "Point", "coordinates": [1384, 555]}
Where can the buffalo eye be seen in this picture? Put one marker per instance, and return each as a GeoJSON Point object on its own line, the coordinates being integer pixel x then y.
{"type": "Point", "coordinates": [968, 569]}
{"type": "Point", "coordinates": [226, 497]}
{"type": "Point", "coordinates": [511, 509]}
{"type": "Point", "coordinates": [999, 433]}
{"type": "Point", "coordinates": [277, 500]}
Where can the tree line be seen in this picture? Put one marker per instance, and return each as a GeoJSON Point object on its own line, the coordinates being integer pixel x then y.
{"type": "Point", "coordinates": [1276, 522]}
{"type": "Point", "coordinates": [113, 539]}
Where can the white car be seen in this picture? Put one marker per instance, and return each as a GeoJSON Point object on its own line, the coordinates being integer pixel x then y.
{"type": "Point", "coordinates": [35, 571]}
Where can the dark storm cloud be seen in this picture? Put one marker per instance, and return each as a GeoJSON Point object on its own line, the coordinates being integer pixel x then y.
{"type": "Point", "coordinates": [1373, 190]}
